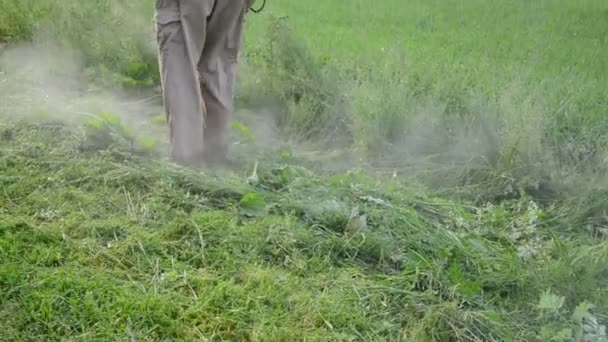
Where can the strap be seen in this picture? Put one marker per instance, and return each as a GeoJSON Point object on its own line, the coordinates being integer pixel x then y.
{"type": "Point", "coordinates": [259, 9]}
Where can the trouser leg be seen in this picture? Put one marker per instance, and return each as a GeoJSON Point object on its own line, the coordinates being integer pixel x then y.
{"type": "Point", "coordinates": [181, 32]}
{"type": "Point", "coordinates": [217, 68]}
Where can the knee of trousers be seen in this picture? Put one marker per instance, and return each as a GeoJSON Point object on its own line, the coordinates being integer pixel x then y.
{"type": "Point", "coordinates": [217, 78]}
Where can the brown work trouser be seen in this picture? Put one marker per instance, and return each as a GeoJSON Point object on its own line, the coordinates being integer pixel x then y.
{"type": "Point", "coordinates": [198, 43]}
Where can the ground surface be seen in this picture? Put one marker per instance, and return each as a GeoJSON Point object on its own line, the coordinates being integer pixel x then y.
{"type": "Point", "coordinates": [463, 197]}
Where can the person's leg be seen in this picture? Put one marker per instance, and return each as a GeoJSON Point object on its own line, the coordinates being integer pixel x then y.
{"type": "Point", "coordinates": [217, 68]}
{"type": "Point", "coordinates": [181, 32]}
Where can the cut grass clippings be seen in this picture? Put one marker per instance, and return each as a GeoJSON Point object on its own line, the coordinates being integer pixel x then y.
{"type": "Point", "coordinates": [104, 244]}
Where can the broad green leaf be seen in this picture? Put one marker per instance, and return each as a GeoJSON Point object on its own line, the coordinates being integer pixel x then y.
{"type": "Point", "coordinates": [253, 205]}
{"type": "Point", "coordinates": [582, 311]}
{"type": "Point", "coordinates": [551, 302]}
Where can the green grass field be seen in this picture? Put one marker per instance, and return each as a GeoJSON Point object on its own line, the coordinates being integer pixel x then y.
{"type": "Point", "coordinates": [411, 171]}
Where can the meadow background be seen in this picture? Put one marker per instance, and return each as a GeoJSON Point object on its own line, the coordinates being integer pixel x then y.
{"type": "Point", "coordinates": [428, 170]}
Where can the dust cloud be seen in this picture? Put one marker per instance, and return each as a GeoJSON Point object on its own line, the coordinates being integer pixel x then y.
{"type": "Point", "coordinates": [40, 81]}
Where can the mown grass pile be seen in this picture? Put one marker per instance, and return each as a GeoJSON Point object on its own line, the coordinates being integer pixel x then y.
{"type": "Point", "coordinates": [107, 244]}
{"type": "Point", "coordinates": [469, 202]}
